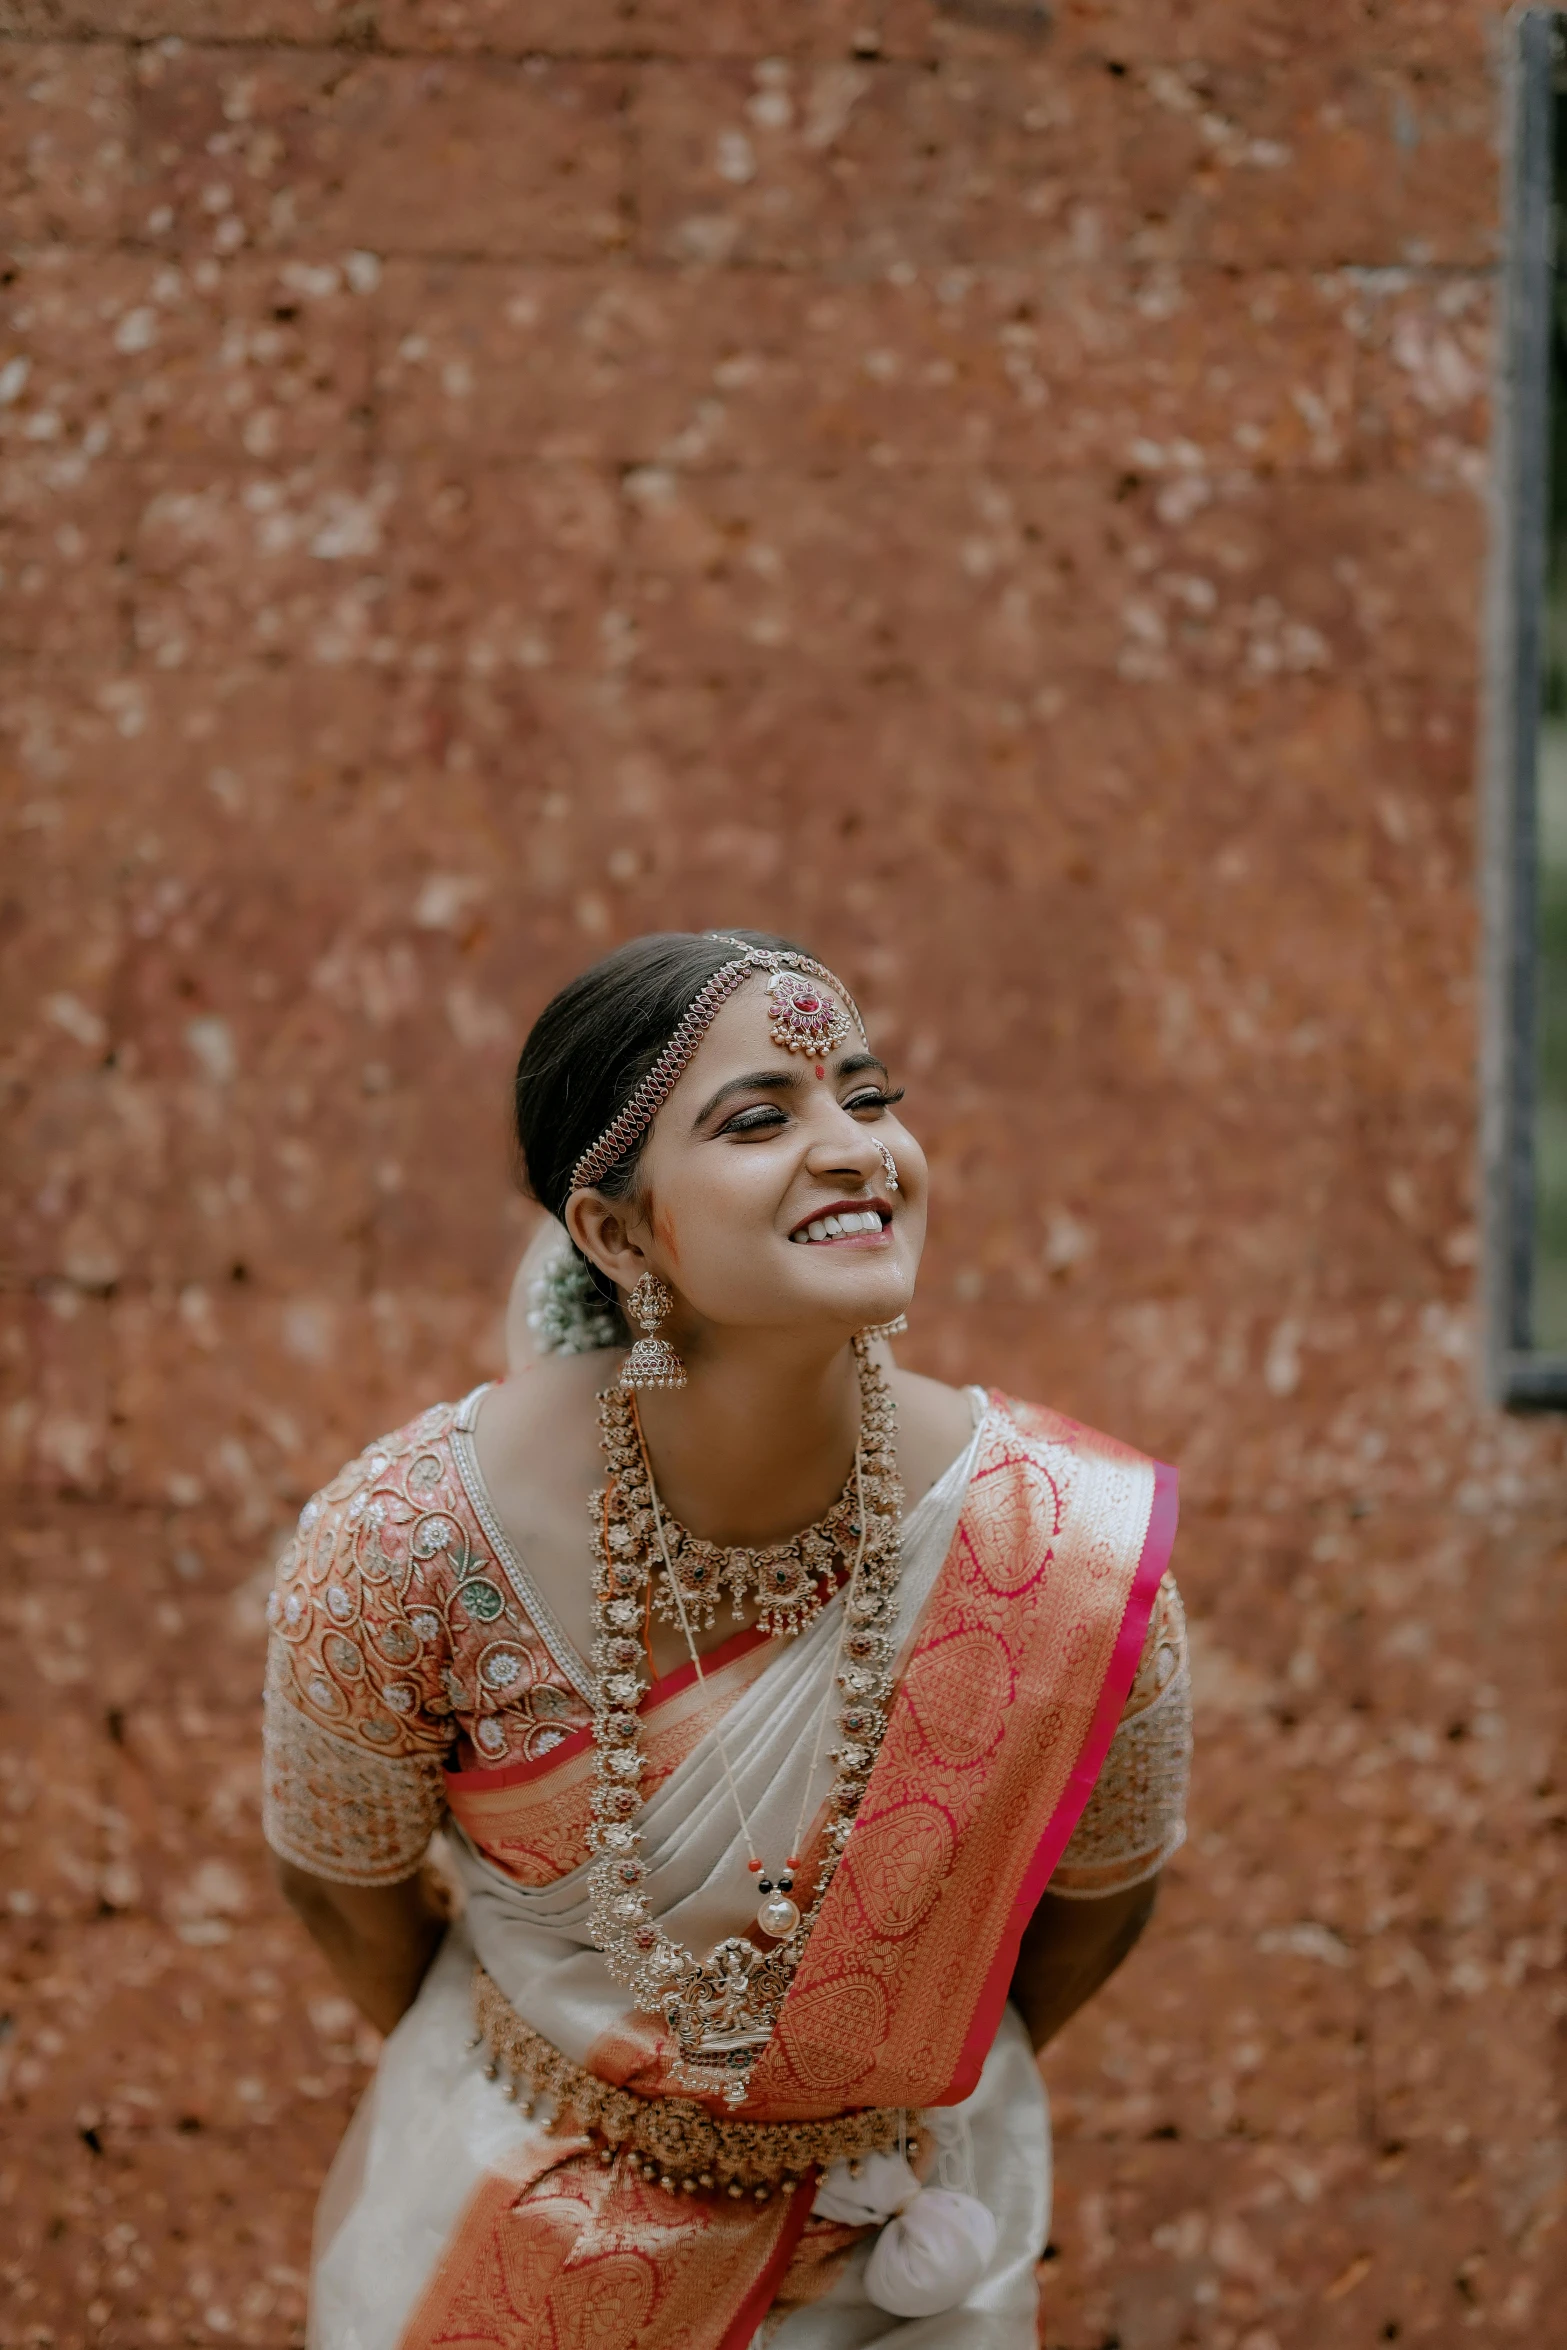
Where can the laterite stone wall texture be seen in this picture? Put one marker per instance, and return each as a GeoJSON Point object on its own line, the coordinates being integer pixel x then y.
{"type": "Point", "coordinates": [997, 492]}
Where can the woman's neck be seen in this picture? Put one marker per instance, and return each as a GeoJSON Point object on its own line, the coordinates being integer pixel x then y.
{"type": "Point", "coordinates": [759, 1442]}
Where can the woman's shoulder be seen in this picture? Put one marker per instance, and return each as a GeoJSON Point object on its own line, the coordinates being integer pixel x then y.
{"type": "Point", "coordinates": [539, 1426]}
{"type": "Point", "coordinates": [399, 1614]}
{"type": "Point", "coordinates": [1044, 1425]}
{"type": "Point", "coordinates": [388, 1460]}
{"type": "Point", "coordinates": [400, 1506]}
{"type": "Point", "coordinates": [935, 1423]}
{"type": "Point", "coordinates": [539, 1401]}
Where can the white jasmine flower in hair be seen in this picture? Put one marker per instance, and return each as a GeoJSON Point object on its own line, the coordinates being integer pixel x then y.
{"type": "Point", "coordinates": [566, 1313]}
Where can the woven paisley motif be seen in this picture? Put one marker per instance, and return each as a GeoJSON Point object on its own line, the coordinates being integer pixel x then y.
{"type": "Point", "coordinates": [1011, 1543]}
{"type": "Point", "coordinates": [959, 1690]}
{"type": "Point", "coordinates": [835, 2031]}
{"type": "Point", "coordinates": [896, 1865]}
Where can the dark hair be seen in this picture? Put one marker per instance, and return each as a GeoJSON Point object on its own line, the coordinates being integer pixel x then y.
{"type": "Point", "coordinates": [593, 1044]}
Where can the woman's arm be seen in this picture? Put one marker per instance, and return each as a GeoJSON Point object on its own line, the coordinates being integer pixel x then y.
{"type": "Point", "coordinates": [378, 1940]}
{"type": "Point", "coordinates": [1070, 1948]}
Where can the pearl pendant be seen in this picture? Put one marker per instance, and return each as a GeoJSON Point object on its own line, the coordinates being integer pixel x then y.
{"type": "Point", "coordinates": [778, 1916]}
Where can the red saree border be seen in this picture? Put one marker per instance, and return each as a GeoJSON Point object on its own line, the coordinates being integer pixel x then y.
{"type": "Point", "coordinates": [1158, 1542]}
{"type": "Point", "coordinates": [504, 1775]}
{"type": "Point", "coordinates": [759, 2300]}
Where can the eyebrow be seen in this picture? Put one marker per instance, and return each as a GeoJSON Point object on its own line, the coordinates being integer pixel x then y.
{"type": "Point", "coordinates": [759, 1081]}
{"type": "Point", "coordinates": [780, 1081]}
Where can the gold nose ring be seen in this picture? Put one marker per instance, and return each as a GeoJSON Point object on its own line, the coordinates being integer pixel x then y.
{"type": "Point", "coordinates": [891, 1165]}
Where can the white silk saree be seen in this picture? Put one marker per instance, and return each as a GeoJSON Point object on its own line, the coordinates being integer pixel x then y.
{"type": "Point", "coordinates": [451, 2218]}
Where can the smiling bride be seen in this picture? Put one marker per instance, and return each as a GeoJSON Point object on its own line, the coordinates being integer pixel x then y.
{"type": "Point", "coordinates": [807, 1736]}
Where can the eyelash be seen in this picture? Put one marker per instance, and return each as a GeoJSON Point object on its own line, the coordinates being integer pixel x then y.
{"type": "Point", "coordinates": [763, 1116]}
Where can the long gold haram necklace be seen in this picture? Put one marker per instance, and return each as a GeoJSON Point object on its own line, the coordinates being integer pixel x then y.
{"type": "Point", "coordinates": [722, 2009]}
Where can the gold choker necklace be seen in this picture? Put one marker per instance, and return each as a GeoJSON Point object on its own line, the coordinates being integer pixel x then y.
{"type": "Point", "coordinates": [791, 1582]}
{"type": "Point", "coordinates": [722, 2009]}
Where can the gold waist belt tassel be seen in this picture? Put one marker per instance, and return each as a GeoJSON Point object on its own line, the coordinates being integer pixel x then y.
{"type": "Point", "coordinates": [673, 2140]}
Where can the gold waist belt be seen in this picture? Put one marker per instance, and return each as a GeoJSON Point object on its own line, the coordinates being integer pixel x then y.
{"type": "Point", "coordinates": [673, 2140]}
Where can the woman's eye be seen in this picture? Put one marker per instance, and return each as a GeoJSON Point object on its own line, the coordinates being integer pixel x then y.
{"type": "Point", "coordinates": [757, 1121]}
{"type": "Point", "coordinates": [875, 1099]}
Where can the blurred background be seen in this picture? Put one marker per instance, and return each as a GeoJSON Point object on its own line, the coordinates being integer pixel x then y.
{"type": "Point", "coordinates": [996, 492]}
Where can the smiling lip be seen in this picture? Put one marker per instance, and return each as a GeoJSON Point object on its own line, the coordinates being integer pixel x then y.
{"type": "Point", "coordinates": [853, 1208]}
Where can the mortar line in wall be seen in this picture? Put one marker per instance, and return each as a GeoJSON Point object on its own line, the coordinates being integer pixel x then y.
{"type": "Point", "coordinates": [623, 260]}
{"type": "Point", "coordinates": [889, 677]}
{"type": "Point", "coordinates": [613, 471]}
{"type": "Point", "coordinates": [1370, 64]}
{"type": "Point", "coordinates": [1368, 2098]}
{"type": "Point", "coordinates": [134, 151]}
{"type": "Point", "coordinates": [377, 51]}
{"type": "Point", "coordinates": [378, 330]}
{"type": "Point", "coordinates": [649, 262]}
{"type": "Point", "coordinates": [631, 166]}
{"type": "Point", "coordinates": [1110, 472]}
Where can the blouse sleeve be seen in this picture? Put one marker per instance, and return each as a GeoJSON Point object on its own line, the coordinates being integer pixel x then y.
{"type": "Point", "coordinates": [357, 1720]}
{"type": "Point", "coordinates": [1135, 1818]}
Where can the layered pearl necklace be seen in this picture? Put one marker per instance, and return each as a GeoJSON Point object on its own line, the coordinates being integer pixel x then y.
{"type": "Point", "coordinates": [722, 2009]}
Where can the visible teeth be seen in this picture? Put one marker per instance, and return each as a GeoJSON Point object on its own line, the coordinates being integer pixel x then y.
{"type": "Point", "coordinates": [837, 1227]}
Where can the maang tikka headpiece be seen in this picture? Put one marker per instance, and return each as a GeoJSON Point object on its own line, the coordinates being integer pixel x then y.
{"type": "Point", "coordinates": [805, 1016]}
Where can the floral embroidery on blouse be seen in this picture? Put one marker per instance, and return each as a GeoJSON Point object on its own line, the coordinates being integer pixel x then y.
{"type": "Point", "coordinates": [397, 1640]}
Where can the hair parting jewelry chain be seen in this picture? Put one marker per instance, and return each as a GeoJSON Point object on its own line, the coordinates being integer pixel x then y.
{"type": "Point", "coordinates": [722, 2009]}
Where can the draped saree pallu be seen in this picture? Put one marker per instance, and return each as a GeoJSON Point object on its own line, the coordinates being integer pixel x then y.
{"type": "Point", "coordinates": [454, 2221]}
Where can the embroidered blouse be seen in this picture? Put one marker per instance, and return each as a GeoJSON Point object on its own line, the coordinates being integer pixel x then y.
{"type": "Point", "coordinates": [406, 1641]}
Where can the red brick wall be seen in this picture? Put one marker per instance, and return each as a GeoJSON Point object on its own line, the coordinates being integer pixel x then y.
{"type": "Point", "coordinates": [1001, 501]}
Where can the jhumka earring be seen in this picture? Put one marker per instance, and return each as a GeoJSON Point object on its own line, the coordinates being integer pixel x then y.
{"type": "Point", "coordinates": [652, 1362]}
{"type": "Point", "coordinates": [891, 1165]}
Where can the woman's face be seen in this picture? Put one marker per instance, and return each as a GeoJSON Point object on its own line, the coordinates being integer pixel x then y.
{"type": "Point", "coordinates": [753, 1152]}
